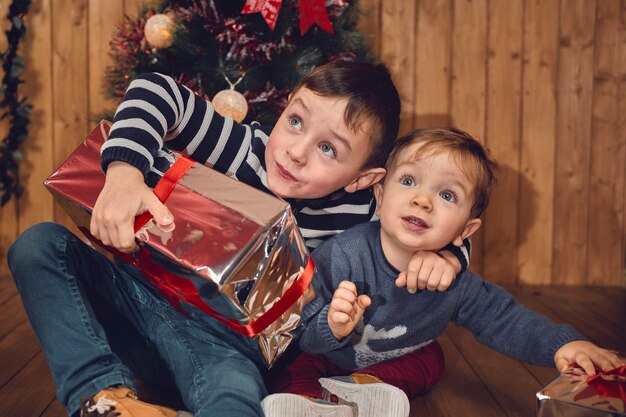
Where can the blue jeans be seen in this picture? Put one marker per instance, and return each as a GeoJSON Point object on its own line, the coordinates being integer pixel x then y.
{"type": "Point", "coordinates": [96, 320]}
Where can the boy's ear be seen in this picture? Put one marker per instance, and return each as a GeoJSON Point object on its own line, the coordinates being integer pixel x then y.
{"type": "Point", "coordinates": [469, 229]}
{"type": "Point", "coordinates": [365, 179]}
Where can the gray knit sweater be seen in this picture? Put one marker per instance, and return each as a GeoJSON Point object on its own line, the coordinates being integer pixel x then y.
{"type": "Point", "coordinates": [398, 322]}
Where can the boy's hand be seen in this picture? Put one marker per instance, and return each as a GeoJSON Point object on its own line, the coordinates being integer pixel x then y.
{"type": "Point", "coordinates": [587, 355]}
{"type": "Point", "coordinates": [430, 270]}
{"type": "Point", "coordinates": [346, 309]}
{"type": "Point", "coordinates": [123, 197]}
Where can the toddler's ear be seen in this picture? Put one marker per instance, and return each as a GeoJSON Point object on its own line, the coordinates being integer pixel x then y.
{"type": "Point", "coordinates": [470, 228]}
{"type": "Point", "coordinates": [365, 179]}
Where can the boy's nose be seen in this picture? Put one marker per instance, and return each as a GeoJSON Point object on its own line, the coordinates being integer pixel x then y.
{"type": "Point", "coordinates": [297, 152]}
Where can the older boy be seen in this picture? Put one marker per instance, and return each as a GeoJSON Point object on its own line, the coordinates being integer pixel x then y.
{"type": "Point", "coordinates": [437, 186]}
{"type": "Point", "coordinates": [326, 150]}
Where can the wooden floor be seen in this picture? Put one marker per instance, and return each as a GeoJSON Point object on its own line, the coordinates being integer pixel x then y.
{"type": "Point", "coordinates": [479, 382]}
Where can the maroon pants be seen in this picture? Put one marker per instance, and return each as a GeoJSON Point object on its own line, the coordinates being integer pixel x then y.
{"type": "Point", "coordinates": [414, 373]}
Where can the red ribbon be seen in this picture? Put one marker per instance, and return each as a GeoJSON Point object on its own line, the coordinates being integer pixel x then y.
{"type": "Point", "coordinates": [610, 383]}
{"type": "Point", "coordinates": [314, 11]}
{"type": "Point", "coordinates": [311, 11]}
{"type": "Point", "coordinates": [268, 8]}
{"type": "Point", "coordinates": [176, 289]}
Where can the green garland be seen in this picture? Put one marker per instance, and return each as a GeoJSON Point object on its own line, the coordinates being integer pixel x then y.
{"type": "Point", "coordinates": [17, 110]}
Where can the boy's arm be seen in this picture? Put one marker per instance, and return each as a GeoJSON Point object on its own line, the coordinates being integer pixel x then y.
{"type": "Point", "coordinates": [155, 110]}
{"type": "Point", "coordinates": [435, 270]}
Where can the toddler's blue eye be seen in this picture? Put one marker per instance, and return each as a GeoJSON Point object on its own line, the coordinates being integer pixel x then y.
{"type": "Point", "coordinates": [408, 181]}
{"type": "Point", "coordinates": [327, 149]}
{"type": "Point", "coordinates": [448, 196]}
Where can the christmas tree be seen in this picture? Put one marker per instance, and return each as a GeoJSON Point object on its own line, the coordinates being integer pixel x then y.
{"type": "Point", "coordinates": [260, 48]}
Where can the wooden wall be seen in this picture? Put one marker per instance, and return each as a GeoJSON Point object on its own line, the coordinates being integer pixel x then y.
{"type": "Point", "coordinates": [541, 82]}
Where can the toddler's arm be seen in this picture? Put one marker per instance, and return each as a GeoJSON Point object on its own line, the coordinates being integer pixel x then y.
{"type": "Point", "coordinates": [346, 309]}
{"type": "Point", "coordinates": [587, 355]}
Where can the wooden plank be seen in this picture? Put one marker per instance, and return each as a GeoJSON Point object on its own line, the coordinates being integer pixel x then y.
{"type": "Point", "coordinates": [398, 53]}
{"type": "Point", "coordinates": [369, 24]}
{"type": "Point", "coordinates": [573, 141]}
{"type": "Point", "coordinates": [542, 374]}
{"type": "Point", "coordinates": [55, 409]}
{"type": "Point", "coordinates": [24, 398]}
{"type": "Point", "coordinates": [133, 8]}
{"type": "Point", "coordinates": [70, 78]}
{"type": "Point", "coordinates": [468, 93]}
{"type": "Point", "coordinates": [621, 93]}
{"type": "Point", "coordinates": [572, 309]}
{"type": "Point", "coordinates": [7, 289]}
{"type": "Point", "coordinates": [606, 194]}
{"type": "Point", "coordinates": [8, 213]}
{"type": "Point", "coordinates": [434, 49]}
{"type": "Point", "coordinates": [103, 16]}
{"type": "Point", "coordinates": [8, 230]}
{"type": "Point", "coordinates": [15, 315]}
{"type": "Point", "coordinates": [36, 205]}
{"type": "Point", "coordinates": [503, 138]}
{"type": "Point", "coordinates": [461, 393]}
{"type": "Point", "coordinates": [514, 390]}
{"type": "Point", "coordinates": [608, 301]}
{"type": "Point", "coordinates": [535, 238]}
{"type": "Point", "coordinates": [589, 315]}
{"type": "Point", "coordinates": [18, 348]}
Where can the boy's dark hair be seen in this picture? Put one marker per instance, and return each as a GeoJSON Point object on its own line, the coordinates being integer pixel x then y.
{"type": "Point", "coordinates": [373, 101]}
{"type": "Point", "coordinates": [470, 156]}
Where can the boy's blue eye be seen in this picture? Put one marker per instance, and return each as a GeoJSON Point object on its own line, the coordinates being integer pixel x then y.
{"type": "Point", "coordinates": [448, 196]}
{"type": "Point", "coordinates": [295, 122]}
{"type": "Point", "coordinates": [408, 181]}
{"type": "Point", "coordinates": [327, 149]}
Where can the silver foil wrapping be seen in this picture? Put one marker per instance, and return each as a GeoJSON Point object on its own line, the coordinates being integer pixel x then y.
{"type": "Point", "coordinates": [234, 248]}
{"type": "Point", "coordinates": [575, 394]}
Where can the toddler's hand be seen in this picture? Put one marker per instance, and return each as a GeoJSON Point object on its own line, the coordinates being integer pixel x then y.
{"type": "Point", "coordinates": [587, 355]}
{"type": "Point", "coordinates": [346, 309]}
{"type": "Point", "coordinates": [429, 270]}
{"type": "Point", "coordinates": [123, 197]}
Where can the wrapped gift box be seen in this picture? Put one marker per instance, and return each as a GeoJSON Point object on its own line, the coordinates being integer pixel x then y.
{"type": "Point", "coordinates": [576, 394]}
{"type": "Point", "coordinates": [236, 253]}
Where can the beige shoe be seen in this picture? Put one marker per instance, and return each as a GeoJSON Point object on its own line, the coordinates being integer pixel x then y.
{"type": "Point", "coordinates": [373, 397]}
{"type": "Point", "coordinates": [122, 402]}
{"type": "Point", "coordinates": [294, 405]}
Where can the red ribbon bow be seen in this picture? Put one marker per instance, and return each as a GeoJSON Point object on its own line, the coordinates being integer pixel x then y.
{"type": "Point", "coordinates": [311, 11]}
{"type": "Point", "coordinates": [176, 289]}
{"type": "Point", "coordinates": [610, 383]}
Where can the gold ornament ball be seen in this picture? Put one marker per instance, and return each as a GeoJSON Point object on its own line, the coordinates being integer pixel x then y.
{"type": "Point", "coordinates": [231, 103]}
{"type": "Point", "coordinates": [159, 31]}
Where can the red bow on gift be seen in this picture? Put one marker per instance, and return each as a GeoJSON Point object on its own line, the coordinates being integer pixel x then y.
{"type": "Point", "coordinates": [311, 11]}
{"type": "Point", "coordinates": [610, 383]}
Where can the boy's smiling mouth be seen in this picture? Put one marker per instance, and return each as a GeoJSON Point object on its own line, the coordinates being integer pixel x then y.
{"type": "Point", "coordinates": [285, 174]}
{"type": "Point", "coordinates": [415, 223]}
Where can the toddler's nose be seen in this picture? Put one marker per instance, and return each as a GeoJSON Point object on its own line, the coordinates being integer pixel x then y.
{"type": "Point", "coordinates": [422, 200]}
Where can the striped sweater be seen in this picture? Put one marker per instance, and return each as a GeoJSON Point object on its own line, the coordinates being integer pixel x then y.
{"type": "Point", "coordinates": [158, 114]}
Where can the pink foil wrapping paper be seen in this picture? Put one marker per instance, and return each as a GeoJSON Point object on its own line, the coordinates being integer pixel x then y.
{"type": "Point", "coordinates": [239, 247]}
